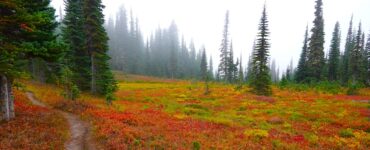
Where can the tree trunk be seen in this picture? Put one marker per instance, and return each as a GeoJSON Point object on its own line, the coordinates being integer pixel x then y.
{"type": "Point", "coordinates": [33, 63]}
{"type": "Point", "coordinates": [11, 99]}
{"type": "Point", "coordinates": [93, 74]}
{"type": "Point", "coordinates": [6, 99]}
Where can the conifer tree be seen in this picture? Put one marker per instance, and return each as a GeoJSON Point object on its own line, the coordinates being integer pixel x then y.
{"type": "Point", "coordinates": [249, 73]}
{"type": "Point", "coordinates": [174, 44]}
{"type": "Point", "coordinates": [334, 54]}
{"type": "Point", "coordinates": [364, 61]}
{"type": "Point", "coordinates": [345, 73]}
{"type": "Point", "coordinates": [289, 74]}
{"type": "Point", "coordinates": [261, 79]}
{"type": "Point", "coordinates": [11, 33]}
{"type": "Point", "coordinates": [302, 69]}
{"type": "Point", "coordinates": [367, 57]}
{"type": "Point", "coordinates": [102, 80]}
{"type": "Point", "coordinates": [316, 54]}
{"type": "Point", "coordinates": [273, 72]}
{"type": "Point", "coordinates": [26, 32]}
{"type": "Point", "coordinates": [231, 66]}
{"type": "Point", "coordinates": [355, 61]}
{"type": "Point", "coordinates": [77, 57]}
{"type": "Point", "coordinates": [204, 71]}
{"type": "Point", "coordinates": [203, 65]}
{"type": "Point", "coordinates": [147, 59]}
{"type": "Point", "coordinates": [211, 75]}
{"type": "Point", "coordinates": [192, 56]}
{"type": "Point", "coordinates": [223, 66]}
{"type": "Point", "coordinates": [241, 73]}
{"type": "Point", "coordinates": [249, 70]}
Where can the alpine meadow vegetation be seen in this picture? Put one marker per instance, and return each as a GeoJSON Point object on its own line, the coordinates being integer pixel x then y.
{"type": "Point", "coordinates": [93, 77]}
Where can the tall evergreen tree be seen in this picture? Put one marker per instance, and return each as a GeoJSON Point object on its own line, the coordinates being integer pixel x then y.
{"type": "Point", "coordinates": [203, 65]}
{"type": "Point", "coordinates": [289, 74]}
{"type": "Point", "coordinates": [355, 61]}
{"type": "Point", "coordinates": [316, 45]}
{"type": "Point", "coordinates": [334, 54]}
{"type": "Point", "coordinates": [345, 73]}
{"type": "Point", "coordinates": [240, 73]}
{"type": "Point", "coordinates": [174, 45]}
{"type": "Point", "coordinates": [261, 79]}
{"type": "Point", "coordinates": [211, 75]}
{"type": "Point", "coordinates": [273, 72]}
{"type": "Point", "coordinates": [102, 80]}
{"type": "Point", "coordinates": [204, 70]}
{"type": "Point", "coordinates": [192, 56]}
{"type": "Point", "coordinates": [232, 68]}
{"type": "Point", "coordinates": [364, 60]}
{"type": "Point", "coordinates": [249, 73]}
{"type": "Point", "coordinates": [147, 59]}
{"type": "Point", "coordinates": [26, 32]}
{"type": "Point", "coordinates": [120, 50]}
{"type": "Point", "coordinates": [301, 73]}
{"type": "Point", "coordinates": [223, 66]}
{"type": "Point", "coordinates": [367, 57]}
{"type": "Point", "coordinates": [13, 26]}
{"type": "Point", "coordinates": [77, 57]}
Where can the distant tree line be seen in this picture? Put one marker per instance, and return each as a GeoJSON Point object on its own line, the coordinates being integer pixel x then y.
{"type": "Point", "coordinates": [163, 54]}
{"type": "Point", "coordinates": [351, 67]}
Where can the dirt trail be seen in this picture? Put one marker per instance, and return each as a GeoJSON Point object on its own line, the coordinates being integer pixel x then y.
{"type": "Point", "coordinates": [80, 130]}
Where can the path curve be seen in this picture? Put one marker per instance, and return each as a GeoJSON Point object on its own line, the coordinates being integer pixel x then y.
{"type": "Point", "coordinates": [80, 130]}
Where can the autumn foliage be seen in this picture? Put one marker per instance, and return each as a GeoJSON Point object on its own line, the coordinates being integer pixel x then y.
{"type": "Point", "coordinates": [33, 128]}
{"type": "Point", "coordinates": [177, 115]}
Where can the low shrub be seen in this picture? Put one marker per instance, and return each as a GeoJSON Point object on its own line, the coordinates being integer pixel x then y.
{"type": "Point", "coordinates": [346, 133]}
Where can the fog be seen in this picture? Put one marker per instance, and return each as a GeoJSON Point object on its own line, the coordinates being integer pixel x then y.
{"type": "Point", "coordinates": [203, 20]}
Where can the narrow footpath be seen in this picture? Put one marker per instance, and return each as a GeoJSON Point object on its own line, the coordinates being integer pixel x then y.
{"type": "Point", "coordinates": [80, 131]}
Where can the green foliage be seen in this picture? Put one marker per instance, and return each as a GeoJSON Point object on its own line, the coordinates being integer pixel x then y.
{"type": "Point", "coordinates": [356, 68]}
{"type": "Point", "coordinates": [223, 66]}
{"type": "Point", "coordinates": [96, 44]}
{"type": "Point", "coordinates": [196, 146]}
{"type": "Point", "coordinates": [26, 33]}
{"type": "Point", "coordinates": [77, 56]}
{"type": "Point", "coordinates": [283, 83]}
{"type": "Point", "coordinates": [323, 87]}
{"type": "Point", "coordinates": [316, 61]}
{"type": "Point", "coordinates": [277, 144]}
{"type": "Point", "coordinates": [256, 133]}
{"type": "Point", "coordinates": [353, 89]}
{"type": "Point", "coordinates": [334, 54]}
{"type": "Point", "coordinates": [295, 116]}
{"type": "Point", "coordinates": [232, 67]}
{"type": "Point", "coordinates": [203, 65]}
{"type": "Point", "coordinates": [312, 138]}
{"type": "Point", "coordinates": [71, 90]}
{"type": "Point", "coordinates": [346, 133]}
{"type": "Point", "coordinates": [346, 56]}
{"type": "Point", "coordinates": [260, 78]}
{"type": "Point", "coordinates": [328, 87]}
{"type": "Point", "coordinates": [75, 92]}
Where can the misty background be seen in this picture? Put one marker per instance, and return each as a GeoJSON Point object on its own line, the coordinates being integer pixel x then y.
{"type": "Point", "coordinates": [203, 20]}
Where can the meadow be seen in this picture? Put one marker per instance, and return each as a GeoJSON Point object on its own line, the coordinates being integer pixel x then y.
{"type": "Point", "coordinates": [34, 128]}
{"type": "Point", "coordinates": [154, 113]}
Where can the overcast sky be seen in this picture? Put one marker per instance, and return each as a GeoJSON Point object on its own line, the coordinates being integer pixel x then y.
{"type": "Point", "coordinates": [203, 20]}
